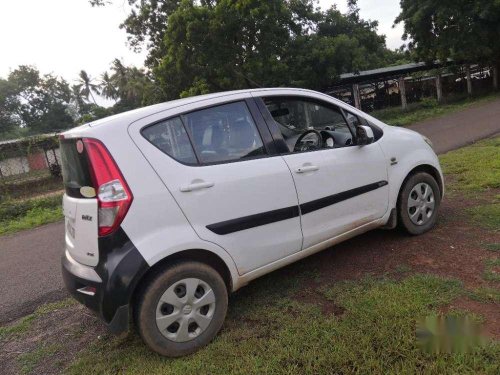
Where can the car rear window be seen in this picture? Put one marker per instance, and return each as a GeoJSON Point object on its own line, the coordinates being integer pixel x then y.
{"type": "Point", "coordinates": [75, 167]}
{"type": "Point", "coordinates": [224, 133]}
{"type": "Point", "coordinates": [171, 138]}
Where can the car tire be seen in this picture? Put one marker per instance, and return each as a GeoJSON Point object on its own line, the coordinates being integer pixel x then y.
{"type": "Point", "coordinates": [170, 315]}
{"type": "Point", "coordinates": [418, 206]}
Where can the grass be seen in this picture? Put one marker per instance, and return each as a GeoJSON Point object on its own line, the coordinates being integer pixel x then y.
{"type": "Point", "coordinates": [16, 215]}
{"type": "Point", "coordinates": [426, 109]}
{"type": "Point", "coordinates": [19, 328]}
{"type": "Point", "coordinates": [492, 269]}
{"type": "Point", "coordinates": [29, 184]}
{"type": "Point", "coordinates": [485, 294]}
{"type": "Point", "coordinates": [24, 324]}
{"type": "Point", "coordinates": [487, 215]}
{"type": "Point", "coordinates": [475, 168]}
{"type": "Point", "coordinates": [269, 331]}
{"type": "Point", "coordinates": [492, 247]}
{"type": "Point", "coordinates": [29, 361]}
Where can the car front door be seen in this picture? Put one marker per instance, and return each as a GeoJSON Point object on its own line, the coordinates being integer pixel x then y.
{"type": "Point", "coordinates": [219, 164]}
{"type": "Point", "coordinates": [341, 186]}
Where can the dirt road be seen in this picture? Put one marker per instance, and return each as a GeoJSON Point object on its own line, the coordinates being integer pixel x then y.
{"type": "Point", "coordinates": [30, 261]}
{"type": "Point", "coordinates": [461, 128]}
{"type": "Point", "coordinates": [30, 270]}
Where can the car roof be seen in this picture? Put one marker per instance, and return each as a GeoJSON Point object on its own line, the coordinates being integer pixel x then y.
{"type": "Point", "coordinates": [139, 113]}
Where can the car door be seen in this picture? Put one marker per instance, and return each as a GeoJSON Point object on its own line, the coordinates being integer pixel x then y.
{"type": "Point", "coordinates": [340, 186]}
{"type": "Point", "coordinates": [219, 164]}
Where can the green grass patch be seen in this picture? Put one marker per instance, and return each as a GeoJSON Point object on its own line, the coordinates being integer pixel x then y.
{"type": "Point", "coordinates": [492, 246]}
{"type": "Point", "coordinates": [474, 168]}
{"type": "Point", "coordinates": [269, 331]}
{"type": "Point", "coordinates": [492, 269]}
{"type": "Point", "coordinates": [29, 361]}
{"type": "Point", "coordinates": [487, 215]}
{"type": "Point", "coordinates": [24, 324]}
{"type": "Point", "coordinates": [484, 294]}
{"type": "Point", "coordinates": [16, 215]}
{"type": "Point", "coordinates": [426, 109]}
{"type": "Point", "coordinates": [20, 327]}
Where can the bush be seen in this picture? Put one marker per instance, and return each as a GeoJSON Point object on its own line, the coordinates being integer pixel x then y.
{"type": "Point", "coordinates": [14, 209]}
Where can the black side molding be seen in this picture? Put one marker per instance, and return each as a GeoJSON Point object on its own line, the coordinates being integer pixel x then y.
{"type": "Point", "coordinates": [268, 217]}
{"type": "Point", "coordinates": [252, 221]}
{"type": "Point", "coordinates": [318, 204]}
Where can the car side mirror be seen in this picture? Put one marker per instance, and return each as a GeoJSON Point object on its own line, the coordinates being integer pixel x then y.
{"type": "Point", "coordinates": [364, 135]}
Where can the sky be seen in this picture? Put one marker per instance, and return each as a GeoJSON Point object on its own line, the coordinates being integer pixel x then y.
{"type": "Point", "coordinates": [64, 36]}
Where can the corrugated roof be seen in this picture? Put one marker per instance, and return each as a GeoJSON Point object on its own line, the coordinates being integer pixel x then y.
{"type": "Point", "coordinates": [386, 72]}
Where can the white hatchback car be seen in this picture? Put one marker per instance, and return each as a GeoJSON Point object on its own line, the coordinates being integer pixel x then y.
{"type": "Point", "coordinates": [171, 207]}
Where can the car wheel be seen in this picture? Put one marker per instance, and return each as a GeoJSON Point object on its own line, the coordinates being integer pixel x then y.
{"type": "Point", "coordinates": [418, 203]}
{"type": "Point", "coordinates": [182, 309]}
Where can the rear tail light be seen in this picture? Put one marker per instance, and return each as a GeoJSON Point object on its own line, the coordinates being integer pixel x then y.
{"type": "Point", "coordinates": [113, 193]}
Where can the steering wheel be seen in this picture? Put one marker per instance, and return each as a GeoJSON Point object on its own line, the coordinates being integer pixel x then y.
{"type": "Point", "coordinates": [306, 145]}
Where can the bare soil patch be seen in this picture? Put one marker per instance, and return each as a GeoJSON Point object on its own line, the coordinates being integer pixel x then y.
{"type": "Point", "coordinates": [51, 342]}
{"type": "Point", "coordinates": [454, 249]}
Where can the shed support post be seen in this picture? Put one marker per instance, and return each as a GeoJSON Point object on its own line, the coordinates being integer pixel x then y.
{"type": "Point", "coordinates": [439, 88]}
{"type": "Point", "coordinates": [355, 93]}
{"type": "Point", "coordinates": [495, 77]}
{"type": "Point", "coordinates": [55, 157]}
{"type": "Point", "coordinates": [402, 92]}
{"type": "Point", "coordinates": [46, 158]}
{"type": "Point", "coordinates": [469, 80]}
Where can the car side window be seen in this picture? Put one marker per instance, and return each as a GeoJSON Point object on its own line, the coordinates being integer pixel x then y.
{"type": "Point", "coordinates": [224, 133]}
{"type": "Point", "coordinates": [297, 118]}
{"type": "Point", "coordinates": [170, 137]}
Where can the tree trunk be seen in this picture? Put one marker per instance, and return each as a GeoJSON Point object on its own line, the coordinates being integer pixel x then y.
{"type": "Point", "coordinates": [357, 98]}
{"type": "Point", "coordinates": [439, 88]}
{"type": "Point", "coordinates": [495, 77]}
{"type": "Point", "coordinates": [469, 80]}
{"type": "Point", "coordinates": [402, 92]}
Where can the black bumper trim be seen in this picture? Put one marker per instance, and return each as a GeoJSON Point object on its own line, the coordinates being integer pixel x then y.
{"type": "Point", "coordinates": [120, 269]}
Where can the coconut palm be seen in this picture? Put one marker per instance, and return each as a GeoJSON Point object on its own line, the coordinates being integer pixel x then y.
{"type": "Point", "coordinates": [87, 86]}
{"type": "Point", "coordinates": [119, 76]}
{"type": "Point", "coordinates": [107, 86]}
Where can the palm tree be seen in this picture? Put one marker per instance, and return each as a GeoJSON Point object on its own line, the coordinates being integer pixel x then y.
{"type": "Point", "coordinates": [107, 86]}
{"type": "Point", "coordinates": [119, 76]}
{"type": "Point", "coordinates": [87, 86]}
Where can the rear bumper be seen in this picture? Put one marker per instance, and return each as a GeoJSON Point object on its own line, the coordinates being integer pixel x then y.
{"type": "Point", "coordinates": [113, 280]}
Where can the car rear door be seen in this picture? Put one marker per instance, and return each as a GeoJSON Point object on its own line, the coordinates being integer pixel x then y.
{"type": "Point", "coordinates": [233, 188]}
{"type": "Point", "coordinates": [339, 188]}
{"type": "Point", "coordinates": [79, 207]}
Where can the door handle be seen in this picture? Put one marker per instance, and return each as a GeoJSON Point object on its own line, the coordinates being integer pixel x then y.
{"type": "Point", "coordinates": [307, 168]}
{"type": "Point", "coordinates": [196, 186]}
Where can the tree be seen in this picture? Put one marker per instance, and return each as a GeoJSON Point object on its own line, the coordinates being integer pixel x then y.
{"type": "Point", "coordinates": [233, 44]}
{"type": "Point", "coordinates": [107, 87]}
{"type": "Point", "coordinates": [9, 102]}
{"type": "Point", "coordinates": [33, 104]}
{"type": "Point", "coordinates": [466, 31]}
{"type": "Point", "coordinates": [87, 85]}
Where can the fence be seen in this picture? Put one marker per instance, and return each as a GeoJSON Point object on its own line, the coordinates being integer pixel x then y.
{"type": "Point", "coordinates": [30, 166]}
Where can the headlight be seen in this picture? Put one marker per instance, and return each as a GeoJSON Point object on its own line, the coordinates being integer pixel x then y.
{"type": "Point", "coordinates": [428, 141]}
